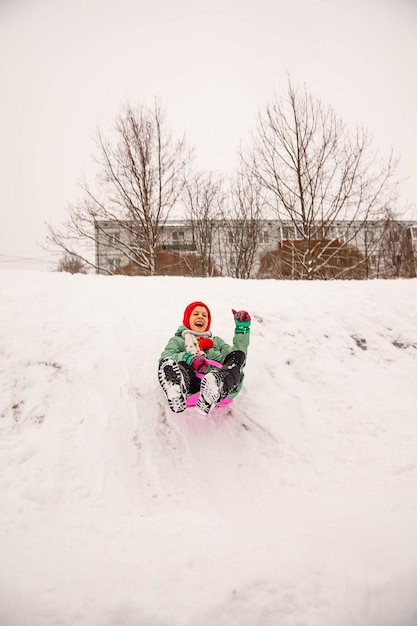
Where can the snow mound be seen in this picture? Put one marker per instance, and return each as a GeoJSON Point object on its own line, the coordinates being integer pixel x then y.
{"type": "Point", "coordinates": [295, 505]}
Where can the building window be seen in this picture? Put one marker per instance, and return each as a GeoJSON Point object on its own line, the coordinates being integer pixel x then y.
{"type": "Point", "coordinates": [288, 232]}
{"type": "Point", "coordinates": [114, 237]}
{"type": "Point", "coordinates": [114, 264]}
{"type": "Point", "coordinates": [333, 232]}
{"type": "Point", "coordinates": [178, 236]}
{"type": "Point", "coordinates": [414, 232]}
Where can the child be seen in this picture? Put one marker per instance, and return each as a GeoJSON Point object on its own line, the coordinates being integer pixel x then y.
{"type": "Point", "coordinates": [187, 352]}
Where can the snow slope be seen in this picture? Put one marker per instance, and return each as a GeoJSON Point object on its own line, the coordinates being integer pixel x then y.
{"type": "Point", "coordinates": [295, 506]}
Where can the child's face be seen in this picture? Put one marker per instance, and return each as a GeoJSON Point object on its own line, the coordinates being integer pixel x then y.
{"type": "Point", "coordinates": [199, 319]}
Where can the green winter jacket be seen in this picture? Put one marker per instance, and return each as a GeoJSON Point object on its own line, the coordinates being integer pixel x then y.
{"type": "Point", "coordinates": [175, 348]}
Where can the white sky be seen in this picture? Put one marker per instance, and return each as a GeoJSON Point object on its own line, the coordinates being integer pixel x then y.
{"type": "Point", "coordinates": [67, 67]}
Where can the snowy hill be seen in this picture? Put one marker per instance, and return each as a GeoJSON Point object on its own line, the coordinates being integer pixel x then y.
{"type": "Point", "coordinates": [295, 506]}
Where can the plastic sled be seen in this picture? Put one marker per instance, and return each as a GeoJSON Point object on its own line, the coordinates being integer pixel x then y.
{"type": "Point", "coordinates": [192, 400]}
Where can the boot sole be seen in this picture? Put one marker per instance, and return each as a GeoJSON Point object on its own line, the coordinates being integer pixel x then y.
{"type": "Point", "coordinates": [172, 383]}
{"type": "Point", "coordinates": [209, 394]}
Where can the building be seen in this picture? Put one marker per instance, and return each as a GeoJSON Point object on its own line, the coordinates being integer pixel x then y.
{"type": "Point", "coordinates": [389, 247]}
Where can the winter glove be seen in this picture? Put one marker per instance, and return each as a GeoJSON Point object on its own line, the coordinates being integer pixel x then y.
{"type": "Point", "coordinates": [197, 361]}
{"type": "Point", "coordinates": [242, 322]}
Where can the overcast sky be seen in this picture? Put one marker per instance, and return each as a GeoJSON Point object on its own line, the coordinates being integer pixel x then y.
{"type": "Point", "coordinates": [67, 66]}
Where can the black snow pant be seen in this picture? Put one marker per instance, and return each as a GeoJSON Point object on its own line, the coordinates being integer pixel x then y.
{"type": "Point", "coordinates": [230, 372]}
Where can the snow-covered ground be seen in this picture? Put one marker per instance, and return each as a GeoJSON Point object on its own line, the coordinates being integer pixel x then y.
{"type": "Point", "coordinates": [295, 506]}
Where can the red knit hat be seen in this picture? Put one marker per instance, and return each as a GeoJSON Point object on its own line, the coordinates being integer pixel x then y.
{"type": "Point", "coordinates": [190, 308]}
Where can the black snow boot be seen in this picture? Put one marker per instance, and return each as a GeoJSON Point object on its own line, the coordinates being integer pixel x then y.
{"type": "Point", "coordinates": [216, 386]}
{"type": "Point", "coordinates": [174, 381]}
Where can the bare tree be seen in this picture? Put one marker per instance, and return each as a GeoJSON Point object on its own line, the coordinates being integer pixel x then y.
{"type": "Point", "coordinates": [395, 257]}
{"type": "Point", "coordinates": [140, 178]}
{"type": "Point", "coordinates": [243, 226]}
{"type": "Point", "coordinates": [204, 200]}
{"type": "Point", "coordinates": [283, 262]}
{"type": "Point", "coordinates": [72, 264]}
{"type": "Point", "coordinates": [325, 181]}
